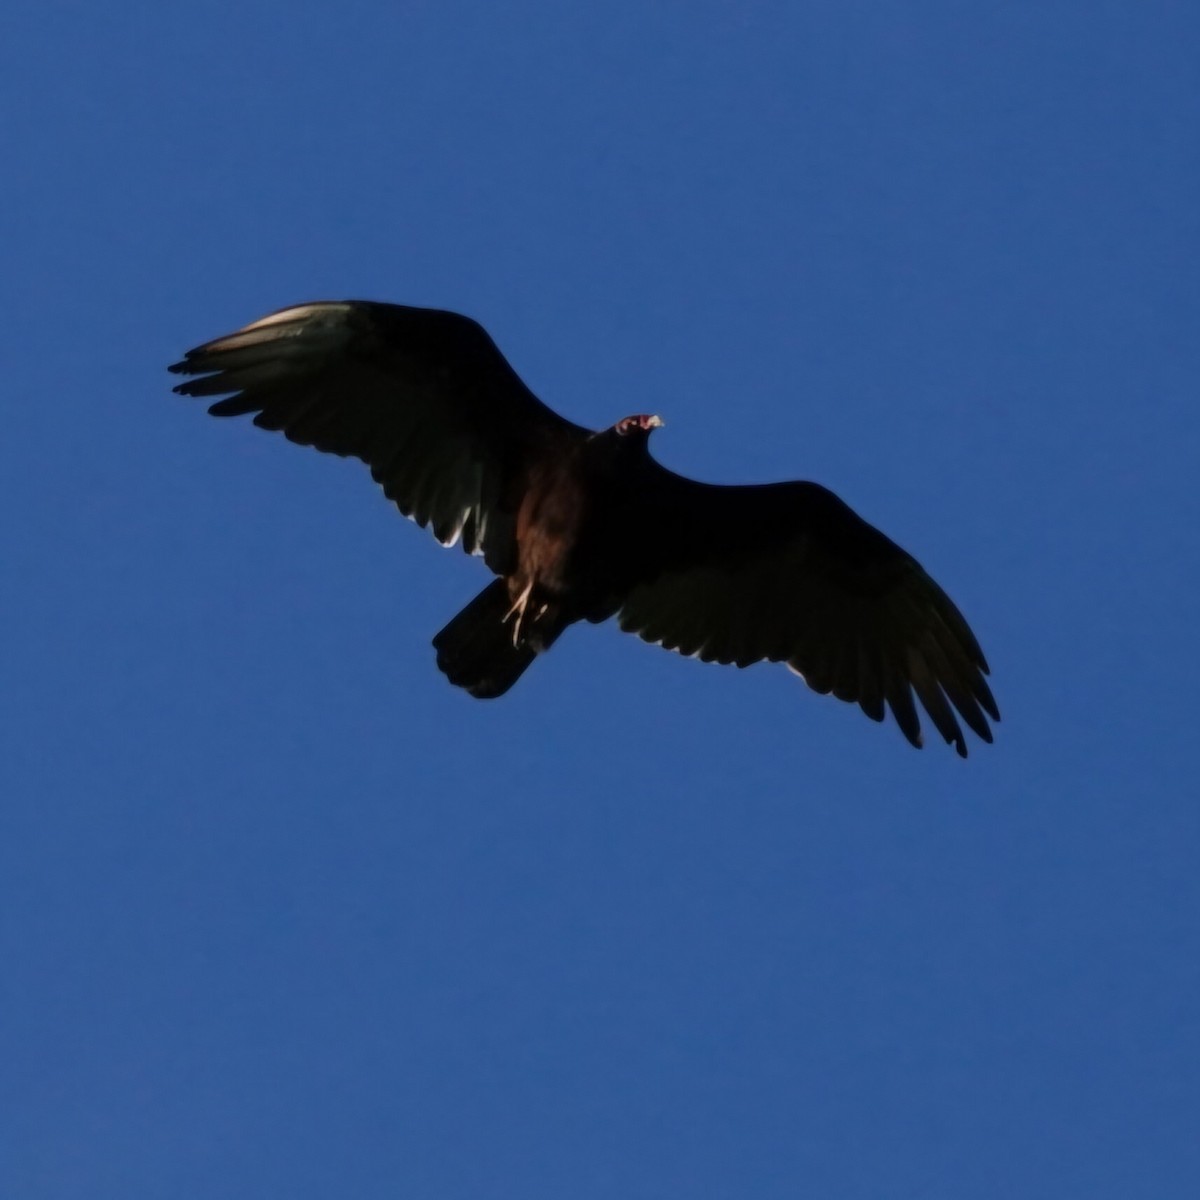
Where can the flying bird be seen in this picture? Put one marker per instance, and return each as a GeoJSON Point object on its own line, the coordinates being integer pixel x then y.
{"type": "Point", "coordinates": [585, 525]}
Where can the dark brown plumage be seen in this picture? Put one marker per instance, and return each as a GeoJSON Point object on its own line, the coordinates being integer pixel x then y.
{"type": "Point", "coordinates": [585, 526]}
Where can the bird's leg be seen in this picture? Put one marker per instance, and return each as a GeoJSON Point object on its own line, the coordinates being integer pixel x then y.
{"type": "Point", "coordinates": [518, 610]}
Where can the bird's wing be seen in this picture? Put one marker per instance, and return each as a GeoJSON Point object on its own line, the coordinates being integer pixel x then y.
{"type": "Point", "coordinates": [423, 397]}
{"type": "Point", "coordinates": [789, 573]}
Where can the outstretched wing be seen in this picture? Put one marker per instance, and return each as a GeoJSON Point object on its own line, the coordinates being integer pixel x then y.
{"type": "Point", "coordinates": [423, 397]}
{"type": "Point", "coordinates": [789, 573]}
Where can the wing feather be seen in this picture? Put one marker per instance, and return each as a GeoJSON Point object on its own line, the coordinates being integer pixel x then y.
{"type": "Point", "coordinates": [871, 680]}
{"type": "Point", "coordinates": [423, 397]}
{"type": "Point", "coordinates": [788, 572]}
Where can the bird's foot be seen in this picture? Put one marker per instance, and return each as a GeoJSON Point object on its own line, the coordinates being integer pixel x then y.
{"type": "Point", "coordinates": [519, 605]}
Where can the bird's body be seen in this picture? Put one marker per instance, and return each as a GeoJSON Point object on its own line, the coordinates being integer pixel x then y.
{"type": "Point", "coordinates": [582, 525]}
{"type": "Point", "coordinates": [579, 545]}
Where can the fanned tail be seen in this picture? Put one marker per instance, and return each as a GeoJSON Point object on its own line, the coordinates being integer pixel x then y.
{"type": "Point", "coordinates": [475, 651]}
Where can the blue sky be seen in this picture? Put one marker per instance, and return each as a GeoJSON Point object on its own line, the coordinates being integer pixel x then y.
{"type": "Point", "coordinates": [283, 914]}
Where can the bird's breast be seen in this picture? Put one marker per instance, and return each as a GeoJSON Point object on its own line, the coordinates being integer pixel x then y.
{"type": "Point", "coordinates": [549, 522]}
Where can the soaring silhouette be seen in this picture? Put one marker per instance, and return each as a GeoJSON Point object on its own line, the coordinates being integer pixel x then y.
{"type": "Point", "coordinates": [580, 525]}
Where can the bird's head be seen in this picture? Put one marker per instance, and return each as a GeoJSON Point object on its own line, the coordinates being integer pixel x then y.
{"type": "Point", "coordinates": [639, 426]}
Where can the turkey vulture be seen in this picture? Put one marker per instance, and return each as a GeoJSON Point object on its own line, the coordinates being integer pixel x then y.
{"type": "Point", "coordinates": [583, 525]}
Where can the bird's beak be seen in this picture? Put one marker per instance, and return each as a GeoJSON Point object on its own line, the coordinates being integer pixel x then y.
{"type": "Point", "coordinates": [655, 422]}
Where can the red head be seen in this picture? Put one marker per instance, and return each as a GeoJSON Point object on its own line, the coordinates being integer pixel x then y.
{"type": "Point", "coordinates": [640, 423]}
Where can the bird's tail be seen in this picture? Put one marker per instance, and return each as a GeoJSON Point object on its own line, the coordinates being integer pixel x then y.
{"type": "Point", "coordinates": [475, 651]}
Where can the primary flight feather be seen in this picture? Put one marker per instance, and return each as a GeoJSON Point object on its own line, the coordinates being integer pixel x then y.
{"type": "Point", "coordinates": [582, 525]}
